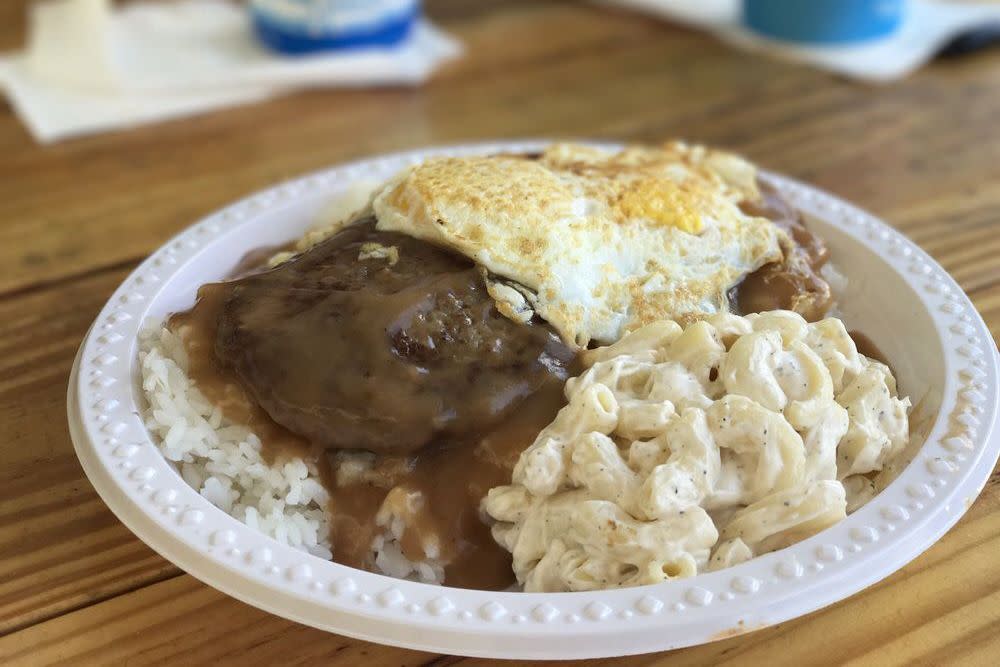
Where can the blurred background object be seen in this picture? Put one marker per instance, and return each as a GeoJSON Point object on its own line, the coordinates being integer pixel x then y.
{"type": "Point", "coordinates": [824, 21]}
{"type": "Point", "coordinates": [95, 65]}
{"type": "Point", "coordinates": [870, 40]}
{"type": "Point", "coordinates": [91, 66]}
{"type": "Point", "coordinates": [307, 26]}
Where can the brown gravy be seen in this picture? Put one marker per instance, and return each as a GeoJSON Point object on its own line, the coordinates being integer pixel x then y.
{"type": "Point", "coordinates": [197, 328]}
{"type": "Point", "coordinates": [256, 260]}
{"type": "Point", "coordinates": [450, 510]}
{"type": "Point", "coordinates": [794, 284]}
{"type": "Point", "coordinates": [511, 388]}
{"type": "Point", "coordinates": [379, 341]}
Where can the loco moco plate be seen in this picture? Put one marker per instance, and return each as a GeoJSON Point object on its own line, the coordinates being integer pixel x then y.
{"type": "Point", "coordinates": [941, 351]}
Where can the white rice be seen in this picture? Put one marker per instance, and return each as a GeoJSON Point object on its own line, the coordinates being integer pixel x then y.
{"type": "Point", "coordinates": [223, 462]}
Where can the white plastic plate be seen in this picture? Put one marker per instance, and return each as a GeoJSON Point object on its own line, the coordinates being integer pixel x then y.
{"type": "Point", "coordinates": [942, 352]}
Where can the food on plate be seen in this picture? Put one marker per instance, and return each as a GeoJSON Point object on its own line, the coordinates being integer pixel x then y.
{"type": "Point", "coordinates": [377, 306]}
{"type": "Point", "coordinates": [799, 282]}
{"type": "Point", "coordinates": [595, 243]}
{"type": "Point", "coordinates": [682, 451]}
{"type": "Point", "coordinates": [488, 345]}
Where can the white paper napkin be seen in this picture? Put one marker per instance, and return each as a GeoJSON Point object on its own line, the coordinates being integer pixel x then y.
{"type": "Point", "coordinates": [928, 25]}
{"type": "Point", "coordinates": [88, 68]}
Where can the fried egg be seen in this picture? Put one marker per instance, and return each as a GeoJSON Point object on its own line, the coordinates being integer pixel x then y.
{"type": "Point", "coordinates": [596, 242]}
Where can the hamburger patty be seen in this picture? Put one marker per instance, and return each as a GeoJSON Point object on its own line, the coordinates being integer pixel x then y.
{"type": "Point", "coordinates": [379, 341]}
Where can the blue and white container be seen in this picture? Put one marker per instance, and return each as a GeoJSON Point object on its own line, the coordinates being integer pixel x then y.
{"type": "Point", "coordinates": [824, 22]}
{"type": "Point", "coordinates": [307, 26]}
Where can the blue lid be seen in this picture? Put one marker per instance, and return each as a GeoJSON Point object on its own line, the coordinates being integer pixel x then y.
{"type": "Point", "coordinates": [306, 26]}
{"type": "Point", "coordinates": [824, 21]}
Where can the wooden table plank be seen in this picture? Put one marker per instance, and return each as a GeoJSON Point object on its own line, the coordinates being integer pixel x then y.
{"type": "Point", "coordinates": [952, 614]}
{"type": "Point", "coordinates": [60, 547]}
{"type": "Point", "coordinates": [182, 621]}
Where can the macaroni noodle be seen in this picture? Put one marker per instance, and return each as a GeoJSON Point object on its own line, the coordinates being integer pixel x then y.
{"type": "Point", "coordinates": [767, 422]}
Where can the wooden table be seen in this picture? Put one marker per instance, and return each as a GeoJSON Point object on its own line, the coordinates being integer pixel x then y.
{"type": "Point", "coordinates": [76, 586]}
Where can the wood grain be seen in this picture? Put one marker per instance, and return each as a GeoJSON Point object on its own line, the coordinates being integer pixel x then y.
{"type": "Point", "coordinates": [957, 614]}
{"type": "Point", "coordinates": [60, 547]}
{"type": "Point", "coordinates": [182, 621]}
{"type": "Point", "coordinates": [76, 587]}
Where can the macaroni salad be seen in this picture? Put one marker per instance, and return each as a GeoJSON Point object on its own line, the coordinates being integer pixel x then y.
{"type": "Point", "coordinates": [688, 450]}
